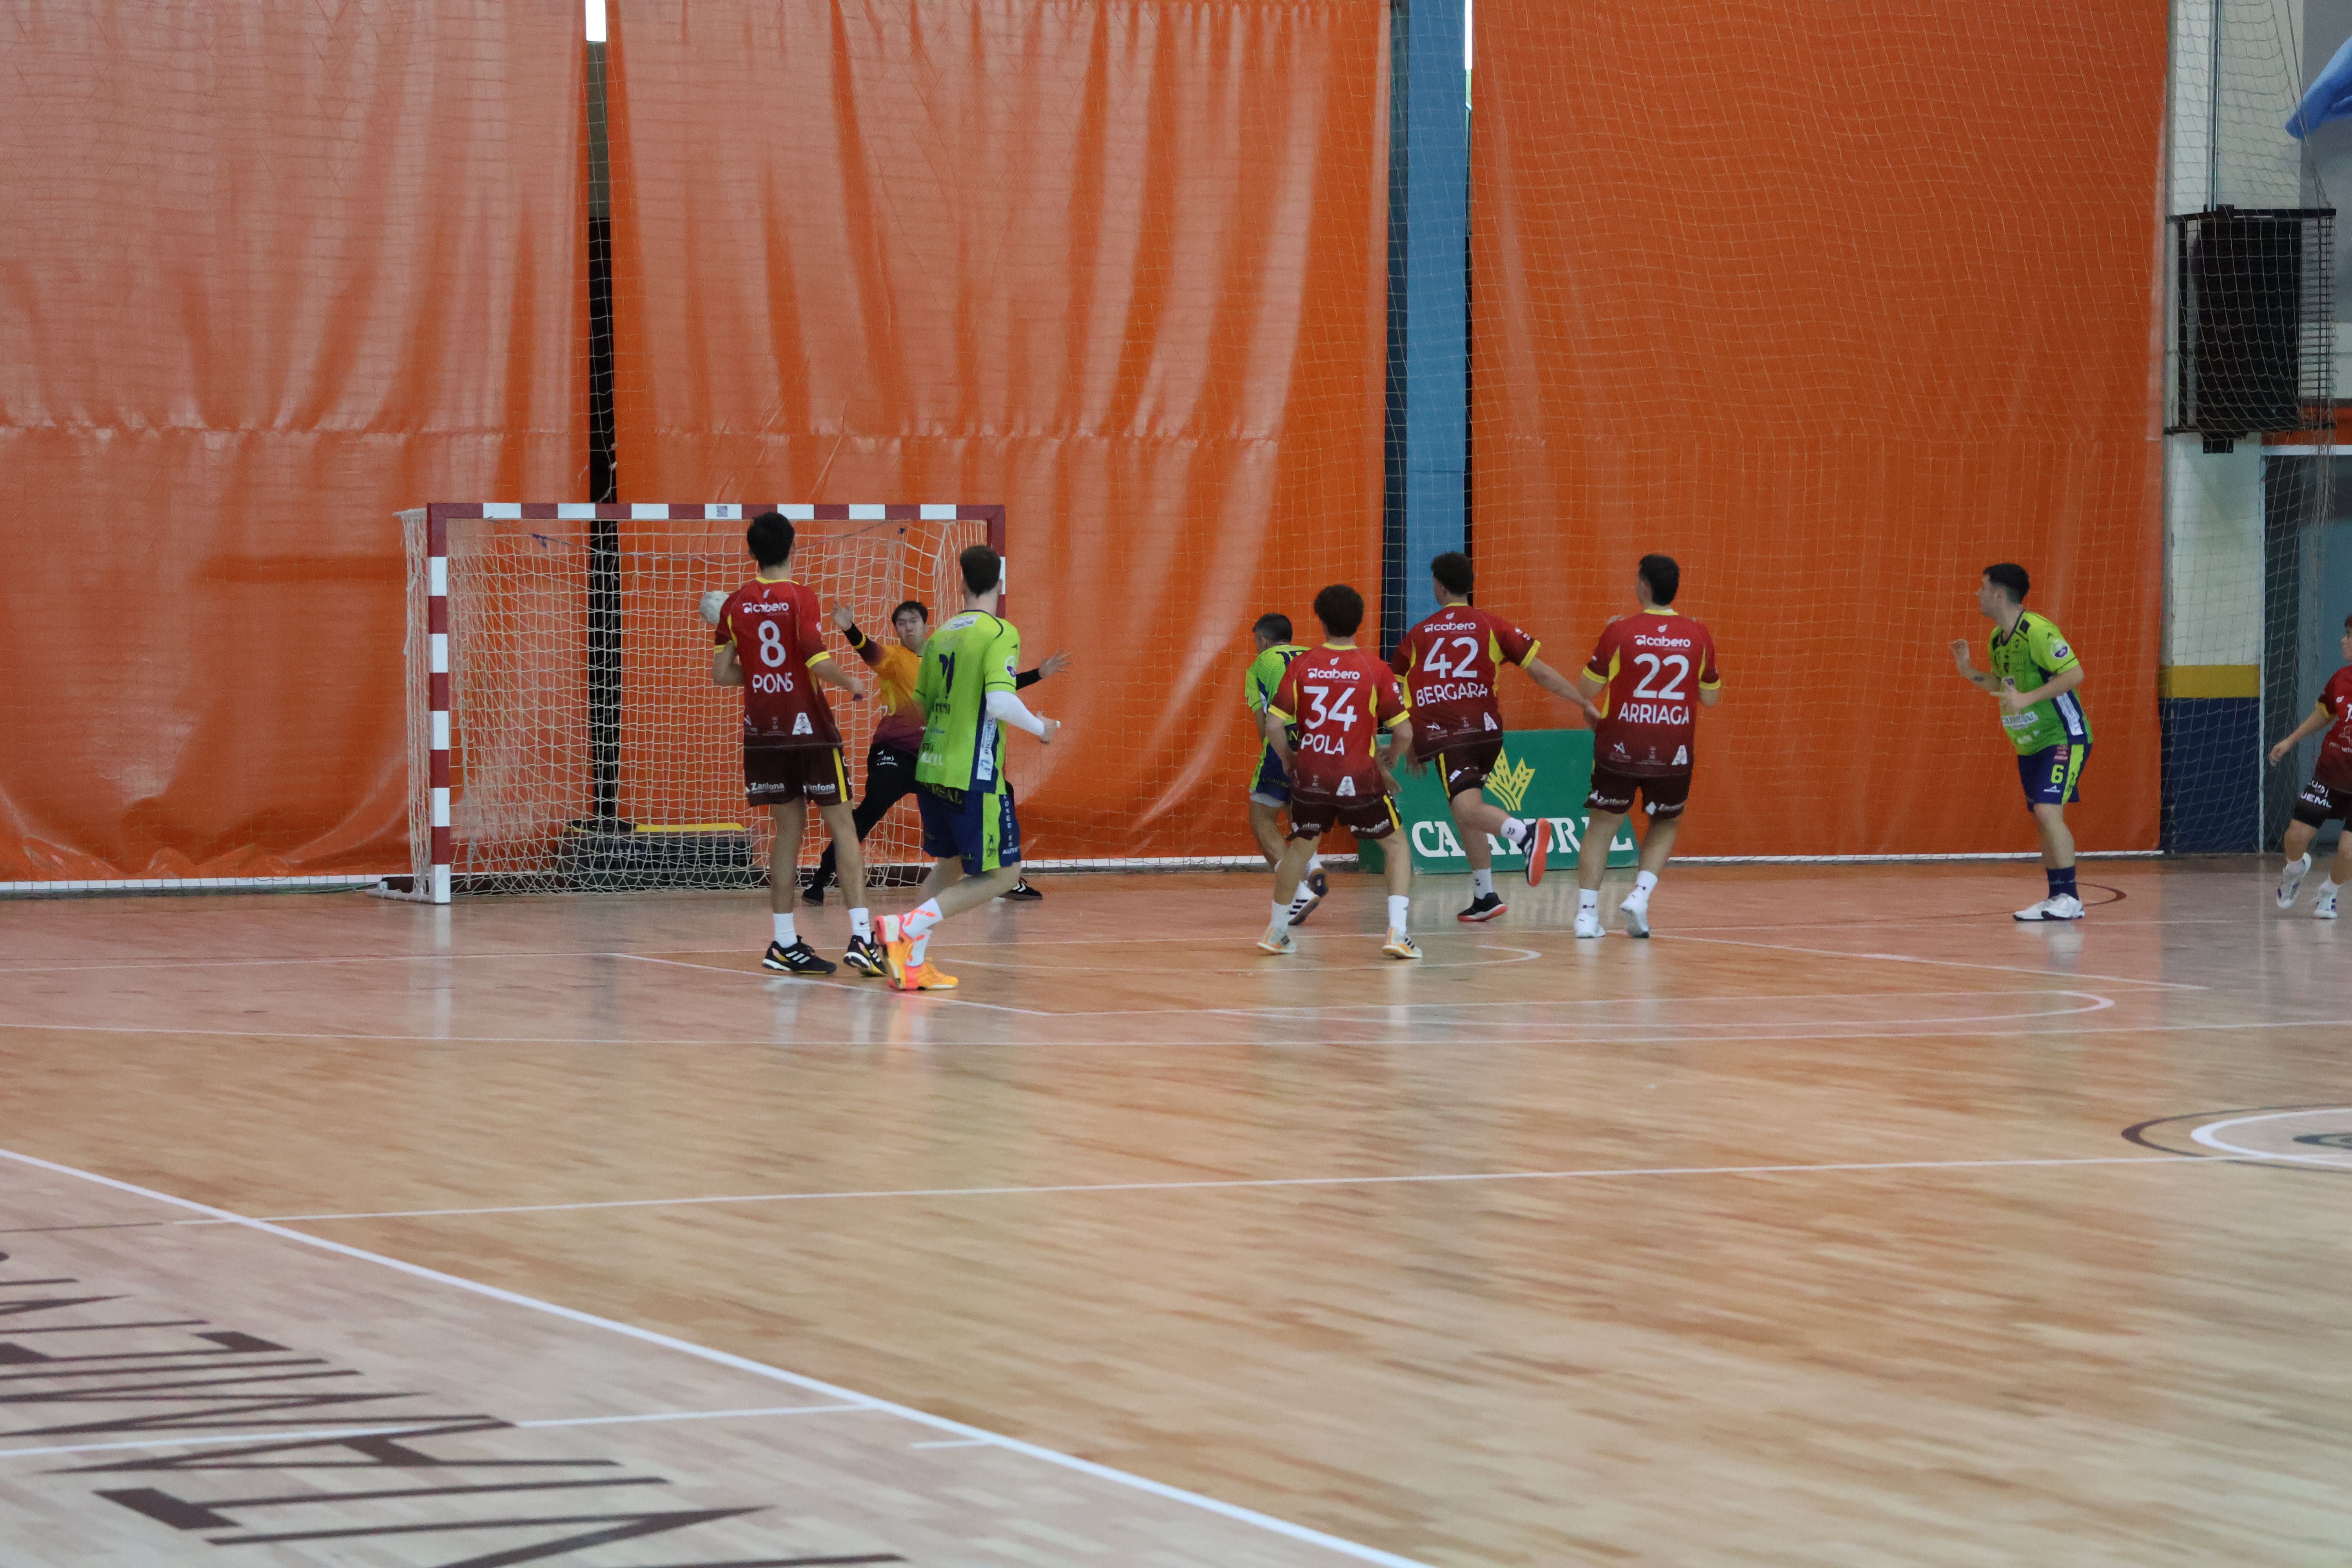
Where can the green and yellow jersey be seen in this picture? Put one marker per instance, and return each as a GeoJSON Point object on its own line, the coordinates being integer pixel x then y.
{"type": "Point", "coordinates": [963, 748]}
{"type": "Point", "coordinates": [1265, 674]}
{"type": "Point", "coordinates": [2027, 656]}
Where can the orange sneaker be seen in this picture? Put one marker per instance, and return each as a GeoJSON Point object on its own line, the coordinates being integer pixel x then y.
{"type": "Point", "coordinates": [926, 976]}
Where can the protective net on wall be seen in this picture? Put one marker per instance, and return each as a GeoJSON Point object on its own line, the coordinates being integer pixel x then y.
{"type": "Point", "coordinates": [586, 748]}
{"type": "Point", "coordinates": [1837, 305]}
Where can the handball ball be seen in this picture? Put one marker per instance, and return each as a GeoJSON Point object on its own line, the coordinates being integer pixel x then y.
{"type": "Point", "coordinates": [712, 602]}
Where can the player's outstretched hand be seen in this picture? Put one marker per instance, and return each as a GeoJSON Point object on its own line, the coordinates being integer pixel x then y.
{"type": "Point", "coordinates": [2279, 752]}
{"type": "Point", "coordinates": [713, 604]}
{"type": "Point", "coordinates": [1055, 662]}
{"type": "Point", "coordinates": [842, 619]}
{"type": "Point", "coordinates": [1053, 727]}
{"type": "Point", "coordinates": [1960, 655]}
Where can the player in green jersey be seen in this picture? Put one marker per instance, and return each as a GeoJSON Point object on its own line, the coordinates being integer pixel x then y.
{"type": "Point", "coordinates": [965, 689]}
{"type": "Point", "coordinates": [1269, 789]}
{"type": "Point", "coordinates": [2034, 677]}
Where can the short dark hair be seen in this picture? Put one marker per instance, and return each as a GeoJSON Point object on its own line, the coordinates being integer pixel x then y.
{"type": "Point", "coordinates": [771, 539]}
{"type": "Point", "coordinates": [2010, 579]}
{"type": "Point", "coordinates": [914, 604]}
{"type": "Point", "coordinates": [1273, 626]}
{"type": "Point", "coordinates": [1341, 609]}
{"type": "Point", "coordinates": [983, 570]}
{"type": "Point", "coordinates": [1452, 570]}
{"type": "Point", "coordinates": [1664, 576]}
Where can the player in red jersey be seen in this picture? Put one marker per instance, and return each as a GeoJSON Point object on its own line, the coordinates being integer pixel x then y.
{"type": "Point", "coordinates": [1654, 665]}
{"type": "Point", "coordinates": [1324, 723]}
{"type": "Point", "coordinates": [2329, 794]}
{"type": "Point", "coordinates": [769, 644]}
{"type": "Point", "coordinates": [1451, 663]}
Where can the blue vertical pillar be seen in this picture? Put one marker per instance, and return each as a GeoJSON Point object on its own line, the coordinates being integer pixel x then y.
{"type": "Point", "coordinates": [1428, 331]}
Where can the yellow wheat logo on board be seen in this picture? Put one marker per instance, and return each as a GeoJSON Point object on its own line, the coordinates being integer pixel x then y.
{"type": "Point", "coordinates": [1509, 781]}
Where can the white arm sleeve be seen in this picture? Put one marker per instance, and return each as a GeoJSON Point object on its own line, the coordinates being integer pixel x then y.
{"type": "Point", "coordinates": [1007, 709]}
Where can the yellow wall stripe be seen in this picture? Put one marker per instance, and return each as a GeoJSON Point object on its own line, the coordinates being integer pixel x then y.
{"type": "Point", "coordinates": [2210, 681]}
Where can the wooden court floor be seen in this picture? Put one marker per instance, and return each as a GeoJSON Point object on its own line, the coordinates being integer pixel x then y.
{"type": "Point", "coordinates": [1846, 1222]}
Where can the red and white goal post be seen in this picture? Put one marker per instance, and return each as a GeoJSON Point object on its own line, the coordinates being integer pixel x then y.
{"type": "Point", "coordinates": [563, 734]}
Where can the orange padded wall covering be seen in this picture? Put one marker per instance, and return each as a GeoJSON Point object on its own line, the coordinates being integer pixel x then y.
{"type": "Point", "coordinates": [1117, 266]}
{"type": "Point", "coordinates": [1838, 304]}
{"type": "Point", "coordinates": [273, 272]}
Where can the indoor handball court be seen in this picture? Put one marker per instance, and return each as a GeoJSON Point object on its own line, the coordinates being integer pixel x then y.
{"type": "Point", "coordinates": [409, 1159]}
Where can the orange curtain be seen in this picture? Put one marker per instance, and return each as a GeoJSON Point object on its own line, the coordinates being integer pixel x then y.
{"type": "Point", "coordinates": [1838, 304]}
{"type": "Point", "coordinates": [274, 271]}
{"type": "Point", "coordinates": [1117, 266]}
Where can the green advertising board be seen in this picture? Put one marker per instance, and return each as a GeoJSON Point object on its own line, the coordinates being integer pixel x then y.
{"type": "Point", "coordinates": [1542, 774]}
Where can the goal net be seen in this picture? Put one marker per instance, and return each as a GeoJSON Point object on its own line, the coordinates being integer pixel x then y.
{"type": "Point", "coordinates": [563, 733]}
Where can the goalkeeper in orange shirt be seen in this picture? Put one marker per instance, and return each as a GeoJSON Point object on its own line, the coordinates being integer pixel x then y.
{"type": "Point", "coordinates": [898, 735]}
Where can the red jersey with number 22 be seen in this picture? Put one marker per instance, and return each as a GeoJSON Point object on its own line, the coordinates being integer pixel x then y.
{"type": "Point", "coordinates": [1336, 700]}
{"type": "Point", "coordinates": [2334, 767]}
{"type": "Point", "coordinates": [1655, 663]}
{"type": "Point", "coordinates": [1450, 663]}
{"type": "Point", "coordinates": [774, 628]}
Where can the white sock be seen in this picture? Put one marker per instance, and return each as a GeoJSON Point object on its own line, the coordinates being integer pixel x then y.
{"type": "Point", "coordinates": [1587, 899]}
{"type": "Point", "coordinates": [1514, 832]}
{"type": "Point", "coordinates": [2303, 864]}
{"type": "Point", "coordinates": [860, 925]}
{"type": "Point", "coordinates": [1482, 882]}
{"type": "Point", "coordinates": [1399, 904]}
{"type": "Point", "coordinates": [784, 934]}
{"type": "Point", "coordinates": [1282, 911]}
{"type": "Point", "coordinates": [917, 928]}
{"type": "Point", "coordinates": [1314, 863]}
{"type": "Point", "coordinates": [2326, 887]}
{"type": "Point", "coordinates": [1643, 883]}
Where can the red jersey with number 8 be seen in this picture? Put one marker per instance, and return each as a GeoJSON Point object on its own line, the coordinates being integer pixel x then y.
{"type": "Point", "coordinates": [774, 628]}
{"type": "Point", "coordinates": [1450, 663]}
{"type": "Point", "coordinates": [1655, 663]}
{"type": "Point", "coordinates": [1336, 701]}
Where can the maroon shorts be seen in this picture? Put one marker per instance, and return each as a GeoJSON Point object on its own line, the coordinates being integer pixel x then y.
{"type": "Point", "coordinates": [1613, 793]}
{"type": "Point", "coordinates": [774, 775]}
{"type": "Point", "coordinates": [1464, 764]}
{"type": "Point", "coordinates": [1367, 820]}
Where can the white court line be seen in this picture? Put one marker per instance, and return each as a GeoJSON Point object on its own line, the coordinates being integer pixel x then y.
{"type": "Point", "coordinates": [1942, 963]}
{"type": "Point", "coordinates": [1238, 1182]}
{"type": "Point", "coordinates": [1526, 955]}
{"type": "Point", "coordinates": [2210, 1136]}
{"type": "Point", "coordinates": [1856, 1030]}
{"type": "Point", "coordinates": [760, 1369]}
{"type": "Point", "coordinates": [952, 1443]}
{"type": "Point", "coordinates": [490, 1423]}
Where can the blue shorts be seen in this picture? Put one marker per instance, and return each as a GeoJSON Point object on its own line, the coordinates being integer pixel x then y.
{"type": "Point", "coordinates": [2050, 776]}
{"type": "Point", "coordinates": [980, 829]}
{"type": "Point", "coordinates": [1272, 785]}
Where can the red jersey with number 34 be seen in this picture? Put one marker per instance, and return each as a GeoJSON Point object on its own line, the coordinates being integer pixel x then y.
{"type": "Point", "coordinates": [1336, 701]}
{"type": "Point", "coordinates": [775, 631]}
{"type": "Point", "coordinates": [1655, 663]}
{"type": "Point", "coordinates": [1450, 663]}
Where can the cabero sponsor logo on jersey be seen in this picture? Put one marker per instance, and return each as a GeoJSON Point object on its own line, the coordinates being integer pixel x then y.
{"type": "Point", "coordinates": [763, 607]}
{"type": "Point", "coordinates": [1645, 640]}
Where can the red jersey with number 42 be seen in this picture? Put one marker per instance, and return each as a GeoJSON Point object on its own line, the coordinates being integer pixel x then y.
{"type": "Point", "coordinates": [2334, 767]}
{"type": "Point", "coordinates": [1655, 665]}
{"type": "Point", "coordinates": [1450, 663]}
{"type": "Point", "coordinates": [774, 628]}
{"type": "Point", "coordinates": [1336, 700]}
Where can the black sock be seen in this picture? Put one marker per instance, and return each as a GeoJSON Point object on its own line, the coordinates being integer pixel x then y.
{"type": "Point", "coordinates": [2062, 883]}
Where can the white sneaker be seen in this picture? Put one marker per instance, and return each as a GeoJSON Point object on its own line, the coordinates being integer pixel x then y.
{"type": "Point", "coordinates": [1277, 940]}
{"type": "Point", "coordinates": [1588, 922]}
{"type": "Point", "coordinates": [1636, 912]}
{"type": "Point", "coordinates": [2291, 881]}
{"type": "Point", "coordinates": [2065, 906]}
{"type": "Point", "coordinates": [2325, 907]}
